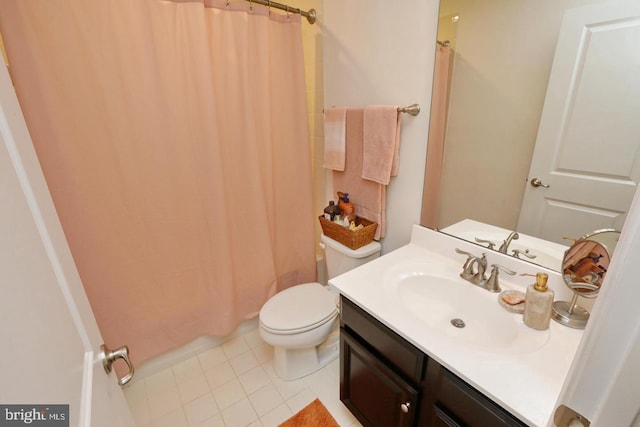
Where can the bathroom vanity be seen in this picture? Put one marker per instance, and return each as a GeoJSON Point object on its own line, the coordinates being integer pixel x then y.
{"type": "Point", "coordinates": [389, 382]}
{"type": "Point", "coordinates": [404, 363]}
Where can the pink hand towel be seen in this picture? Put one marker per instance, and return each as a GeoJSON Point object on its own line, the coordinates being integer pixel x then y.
{"type": "Point", "coordinates": [368, 197]}
{"type": "Point", "coordinates": [381, 132]}
{"type": "Point", "coordinates": [335, 120]}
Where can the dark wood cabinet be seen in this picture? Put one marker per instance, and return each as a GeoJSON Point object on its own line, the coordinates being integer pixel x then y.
{"type": "Point", "coordinates": [372, 391]}
{"type": "Point", "coordinates": [462, 405]}
{"type": "Point", "coordinates": [387, 382]}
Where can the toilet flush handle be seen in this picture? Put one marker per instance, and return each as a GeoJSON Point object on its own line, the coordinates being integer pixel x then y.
{"type": "Point", "coordinates": [322, 245]}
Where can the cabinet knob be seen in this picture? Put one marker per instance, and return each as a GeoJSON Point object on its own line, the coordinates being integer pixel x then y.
{"type": "Point", "coordinates": [405, 407]}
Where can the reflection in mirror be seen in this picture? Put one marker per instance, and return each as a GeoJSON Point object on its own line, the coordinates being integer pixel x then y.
{"type": "Point", "coordinates": [487, 108]}
{"type": "Point", "coordinates": [519, 245]}
{"type": "Point", "coordinates": [607, 237]}
{"type": "Point", "coordinates": [584, 267]}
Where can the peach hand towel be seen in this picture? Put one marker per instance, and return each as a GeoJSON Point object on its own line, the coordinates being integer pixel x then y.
{"type": "Point", "coordinates": [335, 120]}
{"type": "Point", "coordinates": [381, 132]}
{"type": "Point", "coordinates": [368, 197]}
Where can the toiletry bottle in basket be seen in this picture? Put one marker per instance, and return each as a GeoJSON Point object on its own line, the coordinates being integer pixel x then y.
{"type": "Point", "coordinates": [331, 211]}
{"type": "Point", "coordinates": [346, 207]}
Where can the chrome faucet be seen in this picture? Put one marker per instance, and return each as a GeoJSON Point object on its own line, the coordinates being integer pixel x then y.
{"type": "Point", "coordinates": [505, 245]}
{"type": "Point", "coordinates": [474, 268]}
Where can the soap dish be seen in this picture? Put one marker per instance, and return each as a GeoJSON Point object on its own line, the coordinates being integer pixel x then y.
{"type": "Point", "coordinates": [505, 296]}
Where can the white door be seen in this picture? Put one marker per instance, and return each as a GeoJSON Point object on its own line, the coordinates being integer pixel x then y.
{"type": "Point", "coordinates": [592, 107]}
{"type": "Point", "coordinates": [49, 338]}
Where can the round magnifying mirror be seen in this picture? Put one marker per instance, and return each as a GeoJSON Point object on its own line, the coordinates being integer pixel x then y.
{"type": "Point", "coordinates": [584, 267]}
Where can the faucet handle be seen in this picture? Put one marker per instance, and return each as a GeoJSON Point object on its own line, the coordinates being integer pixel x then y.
{"type": "Point", "coordinates": [467, 268]}
{"type": "Point", "coordinates": [460, 251]}
{"type": "Point", "coordinates": [493, 285]}
{"type": "Point", "coordinates": [518, 252]}
{"type": "Point", "coordinates": [479, 277]}
{"type": "Point", "coordinates": [470, 258]}
{"type": "Point", "coordinates": [489, 243]}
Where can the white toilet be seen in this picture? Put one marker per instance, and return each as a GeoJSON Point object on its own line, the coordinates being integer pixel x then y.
{"type": "Point", "coordinates": [301, 322]}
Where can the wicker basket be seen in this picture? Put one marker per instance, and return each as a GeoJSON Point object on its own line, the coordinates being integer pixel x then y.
{"type": "Point", "coordinates": [352, 239]}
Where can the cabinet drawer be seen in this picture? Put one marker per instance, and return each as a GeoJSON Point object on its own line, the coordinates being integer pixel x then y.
{"type": "Point", "coordinates": [404, 356]}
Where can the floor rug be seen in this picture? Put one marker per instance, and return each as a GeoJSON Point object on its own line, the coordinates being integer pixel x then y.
{"type": "Point", "coordinates": [313, 415]}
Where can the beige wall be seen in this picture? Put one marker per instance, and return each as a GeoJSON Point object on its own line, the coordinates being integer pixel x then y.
{"type": "Point", "coordinates": [381, 52]}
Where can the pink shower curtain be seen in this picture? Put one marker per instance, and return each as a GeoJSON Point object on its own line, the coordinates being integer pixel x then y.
{"type": "Point", "coordinates": [437, 133]}
{"type": "Point", "coordinates": [174, 139]}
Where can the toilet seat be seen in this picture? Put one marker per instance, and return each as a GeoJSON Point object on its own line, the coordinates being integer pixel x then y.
{"type": "Point", "coordinates": [298, 309]}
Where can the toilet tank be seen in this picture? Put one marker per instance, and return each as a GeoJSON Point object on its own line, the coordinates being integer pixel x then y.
{"type": "Point", "coordinates": [341, 259]}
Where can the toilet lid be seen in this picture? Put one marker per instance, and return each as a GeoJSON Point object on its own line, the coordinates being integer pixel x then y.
{"type": "Point", "coordinates": [298, 308]}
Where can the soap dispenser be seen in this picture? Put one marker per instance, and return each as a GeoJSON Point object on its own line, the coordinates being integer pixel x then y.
{"type": "Point", "coordinates": [538, 303]}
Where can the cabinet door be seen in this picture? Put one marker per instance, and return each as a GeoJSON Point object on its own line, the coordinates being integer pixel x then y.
{"type": "Point", "coordinates": [443, 419]}
{"type": "Point", "coordinates": [454, 402]}
{"type": "Point", "coordinates": [372, 391]}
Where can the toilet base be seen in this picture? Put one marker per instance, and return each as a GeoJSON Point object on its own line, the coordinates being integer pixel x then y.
{"type": "Point", "coordinates": [291, 364]}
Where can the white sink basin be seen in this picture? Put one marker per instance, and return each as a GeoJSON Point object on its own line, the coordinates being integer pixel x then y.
{"type": "Point", "coordinates": [439, 302]}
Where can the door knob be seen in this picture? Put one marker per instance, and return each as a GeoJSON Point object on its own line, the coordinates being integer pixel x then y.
{"type": "Point", "coordinates": [536, 182]}
{"type": "Point", "coordinates": [405, 407]}
{"type": "Point", "coordinates": [110, 356]}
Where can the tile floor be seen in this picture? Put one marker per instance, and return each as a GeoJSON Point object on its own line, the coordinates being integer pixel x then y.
{"type": "Point", "coordinates": [232, 385]}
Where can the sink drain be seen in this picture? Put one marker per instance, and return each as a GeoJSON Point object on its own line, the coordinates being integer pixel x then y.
{"type": "Point", "coordinates": [458, 323]}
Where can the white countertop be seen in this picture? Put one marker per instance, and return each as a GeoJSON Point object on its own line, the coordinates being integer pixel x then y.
{"type": "Point", "coordinates": [525, 381]}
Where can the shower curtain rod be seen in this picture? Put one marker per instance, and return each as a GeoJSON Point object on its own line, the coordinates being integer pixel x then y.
{"type": "Point", "coordinates": [310, 14]}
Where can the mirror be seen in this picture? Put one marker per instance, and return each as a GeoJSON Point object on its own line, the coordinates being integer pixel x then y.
{"type": "Point", "coordinates": [500, 57]}
{"type": "Point", "coordinates": [516, 244]}
{"type": "Point", "coordinates": [584, 268]}
{"type": "Point", "coordinates": [607, 237]}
